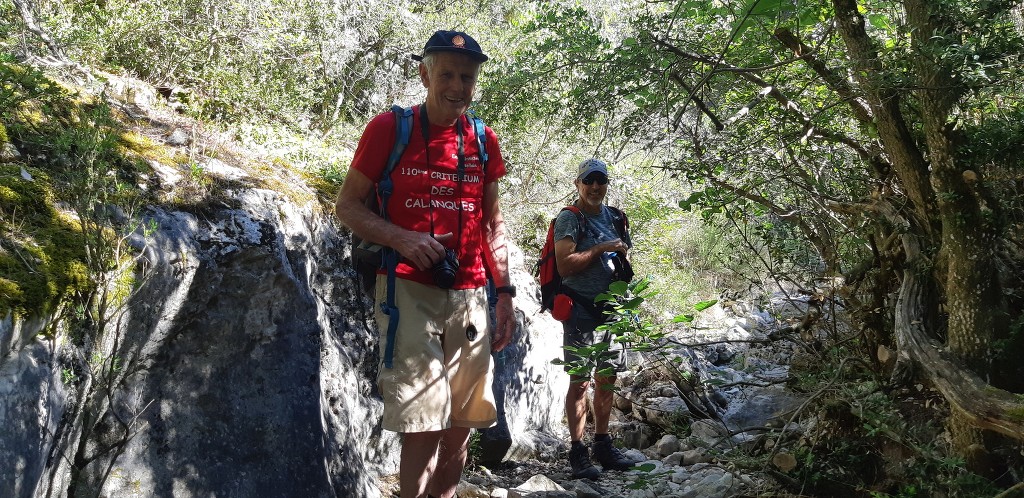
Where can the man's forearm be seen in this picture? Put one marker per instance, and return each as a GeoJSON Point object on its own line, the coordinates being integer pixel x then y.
{"type": "Point", "coordinates": [497, 253]}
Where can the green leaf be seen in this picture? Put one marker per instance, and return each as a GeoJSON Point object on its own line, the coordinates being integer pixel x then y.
{"type": "Point", "coordinates": [647, 467]}
{"type": "Point", "coordinates": [682, 319]}
{"type": "Point", "coordinates": [880, 21]}
{"type": "Point", "coordinates": [691, 200]}
{"type": "Point", "coordinates": [765, 7]}
{"type": "Point", "coordinates": [703, 305]}
{"type": "Point", "coordinates": [756, 9]}
{"type": "Point", "coordinates": [633, 304]}
{"type": "Point", "coordinates": [642, 285]}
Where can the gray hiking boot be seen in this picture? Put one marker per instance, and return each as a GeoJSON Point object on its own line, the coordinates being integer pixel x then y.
{"type": "Point", "coordinates": [579, 460]}
{"type": "Point", "coordinates": [610, 457]}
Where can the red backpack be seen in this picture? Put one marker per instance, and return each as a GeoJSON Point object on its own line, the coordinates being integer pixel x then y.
{"type": "Point", "coordinates": [547, 265]}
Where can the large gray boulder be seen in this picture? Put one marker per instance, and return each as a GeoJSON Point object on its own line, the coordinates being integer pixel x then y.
{"type": "Point", "coordinates": [244, 366]}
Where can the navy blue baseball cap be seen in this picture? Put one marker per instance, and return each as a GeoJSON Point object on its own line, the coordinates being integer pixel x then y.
{"type": "Point", "coordinates": [453, 41]}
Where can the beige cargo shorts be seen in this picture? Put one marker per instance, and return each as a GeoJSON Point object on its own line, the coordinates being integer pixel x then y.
{"type": "Point", "coordinates": [442, 371]}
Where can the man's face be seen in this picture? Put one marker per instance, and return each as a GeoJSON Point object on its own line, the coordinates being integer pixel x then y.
{"type": "Point", "coordinates": [450, 83]}
{"type": "Point", "coordinates": [593, 188]}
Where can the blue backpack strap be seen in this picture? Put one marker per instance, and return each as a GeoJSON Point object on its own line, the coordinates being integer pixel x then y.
{"type": "Point", "coordinates": [403, 129]}
{"type": "Point", "coordinates": [480, 131]}
{"type": "Point", "coordinates": [389, 308]}
{"type": "Point", "coordinates": [389, 261]}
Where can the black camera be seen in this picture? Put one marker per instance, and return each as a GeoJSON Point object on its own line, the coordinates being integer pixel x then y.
{"type": "Point", "coordinates": [446, 269]}
{"type": "Point", "coordinates": [622, 270]}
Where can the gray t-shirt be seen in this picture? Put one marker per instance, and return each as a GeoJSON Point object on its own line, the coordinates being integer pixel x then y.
{"type": "Point", "coordinates": [598, 228]}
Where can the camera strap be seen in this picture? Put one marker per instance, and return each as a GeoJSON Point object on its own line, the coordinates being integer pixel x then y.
{"type": "Point", "coordinates": [459, 172]}
{"type": "Point", "coordinates": [390, 256]}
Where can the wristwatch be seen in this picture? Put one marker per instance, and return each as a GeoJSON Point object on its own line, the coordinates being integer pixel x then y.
{"type": "Point", "coordinates": [506, 289]}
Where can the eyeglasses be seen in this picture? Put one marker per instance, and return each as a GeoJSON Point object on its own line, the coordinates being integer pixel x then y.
{"type": "Point", "coordinates": [600, 179]}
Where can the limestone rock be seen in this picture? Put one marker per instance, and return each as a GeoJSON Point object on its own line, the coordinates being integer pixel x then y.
{"type": "Point", "coordinates": [784, 461]}
{"type": "Point", "coordinates": [667, 445]}
{"type": "Point", "coordinates": [178, 137]}
{"type": "Point", "coordinates": [540, 486]}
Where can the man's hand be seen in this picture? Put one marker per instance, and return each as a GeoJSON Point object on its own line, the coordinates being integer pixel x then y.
{"type": "Point", "coordinates": [616, 245]}
{"type": "Point", "coordinates": [421, 249]}
{"type": "Point", "coordinates": [505, 326]}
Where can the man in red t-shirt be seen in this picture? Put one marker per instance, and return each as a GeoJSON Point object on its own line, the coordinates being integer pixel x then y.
{"type": "Point", "coordinates": [439, 387]}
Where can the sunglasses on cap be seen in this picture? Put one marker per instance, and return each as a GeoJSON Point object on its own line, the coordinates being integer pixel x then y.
{"type": "Point", "coordinates": [600, 179]}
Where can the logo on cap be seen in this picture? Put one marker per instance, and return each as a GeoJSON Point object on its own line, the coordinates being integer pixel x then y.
{"type": "Point", "coordinates": [459, 41]}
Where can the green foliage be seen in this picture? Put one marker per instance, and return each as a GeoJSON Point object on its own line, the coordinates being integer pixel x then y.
{"type": "Point", "coordinates": [629, 325]}
{"type": "Point", "coordinates": [42, 258]}
{"type": "Point", "coordinates": [686, 261]}
{"type": "Point", "coordinates": [322, 160]}
{"type": "Point", "coordinates": [320, 61]}
{"type": "Point", "coordinates": [68, 377]}
{"type": "Point", "coordinates": [83, 160]}
{"type": "Point", "coordinates": [69, 206]}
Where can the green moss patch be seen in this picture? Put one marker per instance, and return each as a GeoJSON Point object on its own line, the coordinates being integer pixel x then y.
{"type": "Point", "coordinates": [41, 252]}
{"type": "Point", "coordinates": [77, 155]}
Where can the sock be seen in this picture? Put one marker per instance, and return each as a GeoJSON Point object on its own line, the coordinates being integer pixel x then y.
{"type": "Point", "coordinates": [578, 444]}
{"type": "Point", "coordinates": [602, 437]}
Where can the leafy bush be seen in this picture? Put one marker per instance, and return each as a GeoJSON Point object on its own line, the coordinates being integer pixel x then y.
{"type": "Point", "coordinates": [314, 61]}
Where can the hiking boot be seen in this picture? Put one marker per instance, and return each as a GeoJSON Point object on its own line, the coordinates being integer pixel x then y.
{"type": "Point", "coordinates": [610, 457]}
{"type": "Point", "coordinates": [579, 460]}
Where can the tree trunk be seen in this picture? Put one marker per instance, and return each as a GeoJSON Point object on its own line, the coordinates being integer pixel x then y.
{"type": "Point", "coordinates": [973, 297]}
{"type": "Point", "coordinates": [981, 405]}
{"type": "Point", "coordinates": [909, 164]}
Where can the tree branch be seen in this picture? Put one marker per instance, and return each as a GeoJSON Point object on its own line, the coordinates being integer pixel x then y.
{"type": "Point", "coordinates": [25, 11]}
{"type": "Point", "coordinates": [835, 81]}
{"type": "Point", "coordinates": [899, 143]}
{"type": "Point", "coordinates": [675, 76]}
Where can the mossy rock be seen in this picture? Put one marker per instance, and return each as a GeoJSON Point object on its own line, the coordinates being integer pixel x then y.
{"type": "Point", "coordinates": [140, 146]}
{"type": "Point", "coordinates": [42, 252]}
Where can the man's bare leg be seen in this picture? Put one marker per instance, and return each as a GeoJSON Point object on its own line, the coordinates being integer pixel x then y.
{"type": "Point", "coordinates": [603, 397]}
{"type": "Point", "coordinates": [576, 407]}
{"type": "Point", "coordinates": [451, 460]}
{"type": "Point", "coordinates": [419, 458]}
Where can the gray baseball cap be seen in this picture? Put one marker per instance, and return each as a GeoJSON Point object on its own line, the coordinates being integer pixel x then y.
{"type": "Point", "coordinates": [591, 165]}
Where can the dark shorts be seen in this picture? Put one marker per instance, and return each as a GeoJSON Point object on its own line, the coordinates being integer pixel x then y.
{"type": "Point", "coordinates": [580, 332]}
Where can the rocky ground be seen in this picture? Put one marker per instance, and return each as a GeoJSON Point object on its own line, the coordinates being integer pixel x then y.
{"type": "Point", "coordinates": [551, 479]}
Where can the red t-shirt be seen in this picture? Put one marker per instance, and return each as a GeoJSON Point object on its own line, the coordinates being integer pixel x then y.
{"type": "Point", "coordinates": [426, 191]}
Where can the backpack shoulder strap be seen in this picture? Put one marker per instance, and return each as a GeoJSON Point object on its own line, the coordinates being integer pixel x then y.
{"type": "Point", "coordinates": [621, 221]}
{"type": "Point", "coordinates": [480, 132]}
{"type": "Point", "coordinates": [582, 220]}
{"type": "Point", "coordinates": [403, 130]}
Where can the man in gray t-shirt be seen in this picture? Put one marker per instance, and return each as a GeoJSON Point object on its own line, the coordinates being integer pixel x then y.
{"type": "Point", "coordinates": [598, 228]}
{"type": "Point", "coordinates": [584, 256]}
